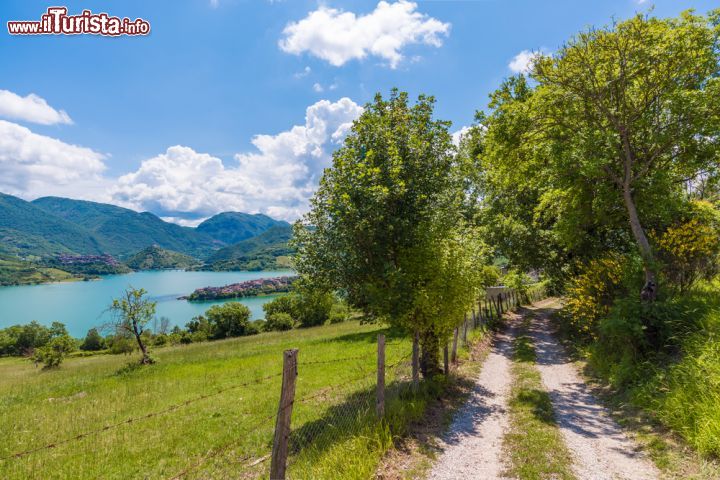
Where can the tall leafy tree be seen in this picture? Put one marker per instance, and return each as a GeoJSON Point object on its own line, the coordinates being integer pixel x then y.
{"type": "Point", "coordinates": [617, 123]}
{"type": "Point", "coordinates": [383, 229]}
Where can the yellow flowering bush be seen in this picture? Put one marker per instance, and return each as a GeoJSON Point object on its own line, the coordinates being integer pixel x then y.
{"type": "Point", "coordinates": [591, 294]}
{"type": "Point", "coordinates": [690, 248]}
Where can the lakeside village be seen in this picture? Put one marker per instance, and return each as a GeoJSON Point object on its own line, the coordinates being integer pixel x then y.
{"type": "Point", "coordinates": [249, 288]}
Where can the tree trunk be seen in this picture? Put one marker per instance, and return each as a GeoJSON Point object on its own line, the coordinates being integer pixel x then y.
{"type": "Point", "coordinates": [430, 355]}
{"type": "Point", "coordinates": [145, 360]}
{"type": "Point", "coordinates": [649, 290]}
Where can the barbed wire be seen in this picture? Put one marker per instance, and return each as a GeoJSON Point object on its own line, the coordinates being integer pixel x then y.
{"type": "Point", "coordinates": [223, 448]}
{"type": "Point", "coordinates": [128, 421]}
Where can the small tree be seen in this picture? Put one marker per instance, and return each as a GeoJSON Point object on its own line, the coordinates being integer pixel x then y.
{"type": "Point", "coordinates": [229, 320]}
{"type": "Point", "coordinates": [132, 312]}
{"type": "Point", "coordinates": [278, 321]}
{"type": "Point", "coordinates": [93, 341]}
{"type": "Point", "coordinates": [54, 352]}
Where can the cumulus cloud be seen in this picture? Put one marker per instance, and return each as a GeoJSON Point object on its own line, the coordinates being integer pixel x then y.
{"type": "Point", "coordinates": [457, 136]}
{"type": "Point", "coordinates": [523, 61]}
{"type": "Point", "coordinates": [338, 36]}
{"type": "Point", "coordinates": [34, 165]}
{"type": "Point", "coordinates": [277, 179]}
{"type": "Point", "coordinates": [31, 108]}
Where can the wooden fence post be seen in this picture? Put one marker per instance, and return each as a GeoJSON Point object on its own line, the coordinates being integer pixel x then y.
{"type": "Point", "coordinates": [465, 328]}
{"type": "Point", "coordinates": [278, 463]}
{"type": "Point", "coordinates": [446, 364]}
{"type": "Point", "coordinates": [416, 360]}
{"type": "Point", "coordinates": [454, 349]}
{"type": "Point", "coordinates": [474, 318]}
{"type": "Point", "coordinates": [381, 376]}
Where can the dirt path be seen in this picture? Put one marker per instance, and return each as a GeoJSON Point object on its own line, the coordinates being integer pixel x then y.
{"type": "Point", "coordinates": [472, 446]}
{"type": "Point", "coordinates": [601, 449]}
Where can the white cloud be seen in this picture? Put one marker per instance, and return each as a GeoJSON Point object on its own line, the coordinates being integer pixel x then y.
{"type": "Point", "coordinates": [278, 179]}
{"type": "Point", "coordinates": [522, 62]}
{"type": "Point", "coordinates": [318, 88]}
{"type": "Point", "coordinates": [214, 3]}
{"type": "Point", "coordinates": [31, 108]}
{"type": "Point", "coordinates": [338, 36]}
{"type": "Point", "coordinates": [457, 136]}
{"type": "Point", "coordinates": [34, 165]}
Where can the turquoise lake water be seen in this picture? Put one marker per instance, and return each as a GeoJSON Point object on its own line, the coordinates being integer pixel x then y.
{"type": "Point", "coordinates": [82, 305]}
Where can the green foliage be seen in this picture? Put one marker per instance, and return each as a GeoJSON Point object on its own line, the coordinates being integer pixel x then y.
{"type": "Point", "coordinates": [257, 253]}
{"type": "Point", "coordinates": [25, 339]}
{"type": "Point", "coordinates": [26, 229]}
{"type": "Point", "coordinates": [339, 312]}
{"type": "Point", "coordinates": [520, 282]}
{"type": "Point", "coordinates": [690, 248]}
{"type": "Point", "coordinates": [604, 138]}
{"type": "Point", "coordinates": [233, 227]}
{"type": "Point", "coordinates": [386, 225]}
{"type": "Point", "coordinates": [157, 258]}
{"type": "Point", "coordinates": [120, 231]}
{"type": "Point", "coordinates": [279, 321]}
{"type": "Point", "coordinates": [131, 315]}
{"type": "Point", "coordinates": [230, 319]}
{"type": "Point", "coordinates": [93, 341]}
{"type": "Point", "coordinates": [52, 354]}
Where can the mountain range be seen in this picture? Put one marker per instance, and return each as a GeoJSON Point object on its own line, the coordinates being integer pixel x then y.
{"type": "Point", "coordinates": [52, 226]}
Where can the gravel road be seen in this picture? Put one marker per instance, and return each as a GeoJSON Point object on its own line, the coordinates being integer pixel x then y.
{"type": "Point", "coordinates": [601, 449]}
{"type": "Point", "coordinates": [472, 448]}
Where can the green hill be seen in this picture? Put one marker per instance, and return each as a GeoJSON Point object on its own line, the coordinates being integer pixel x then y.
{"type": "Point", "coordinates": [157, 258]}
{"type": "Point", "coordinates": [18, 272]}
{"type": "Point", "coordinates": [26, 229]}
{"type": "Point", "coordinates": [265, 251]}
{"type": "Point", "coordinates": [124, 232]}
{"type": "Point", "coordinates": [234, 227]}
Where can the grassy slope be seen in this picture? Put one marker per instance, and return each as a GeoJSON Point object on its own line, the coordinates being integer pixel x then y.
{"type": "Point", "coordinates": [17, 272]}
{"type": "Point", "coordinates": [41, 407]}
{"type": "Point", "coordinates": [157, 258]}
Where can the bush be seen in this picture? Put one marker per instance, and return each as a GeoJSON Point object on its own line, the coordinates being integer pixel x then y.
{"type": "Point", "coordinates": [313, 307]}
{"type": "Point", "coordinates": [339, 313]}
{"type": "Point", "coordinates": [229, 320]}
{"type": "Point", "coordinates": [591, 295]}
{"type": "Point", "coordinates": [278, 321]}
{"type": "Point", "coordinates": [54, 352]}
{"type": "Point", "coordinates": [282, 304]}
{"type": "Point", "coordinates": [93, 341]}
{"type": "Point", "coordinates": [122, 344]}
{"type": "Point", "coordinates": [690, 249]}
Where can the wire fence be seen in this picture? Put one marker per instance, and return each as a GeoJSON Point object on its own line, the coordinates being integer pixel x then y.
{"type": "Point", "coordinates": [322, 415]}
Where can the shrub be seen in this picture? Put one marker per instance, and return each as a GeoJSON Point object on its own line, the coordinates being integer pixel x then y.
{"type": "Point", "coordinates": [591, 294]}
{"type": "Point", "coordinates": [313, 307]}
{"type": "Point", "coordinates": [279, 321]}
{"type": "Point", "coordinates": [93, 341]}
{"type": "Point", "coordinates": [339, 313]}
{"type": "Point", "coordinates": [122, 344]}
{"type": "Point", "coordinates": [282, 304]}
{"type": "Point", "coordinates": [54, 352]}
{"type": "Point", "coordinates": [690, 248]}
{"type": "Point", "coordinates": [231, 319]}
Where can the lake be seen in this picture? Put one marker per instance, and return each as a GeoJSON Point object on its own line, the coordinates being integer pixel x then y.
{"type": "Point", "coordinates": [82, 305]}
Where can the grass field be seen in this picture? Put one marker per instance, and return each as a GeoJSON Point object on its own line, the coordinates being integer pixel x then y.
{"type": "Point", "coordinates": [228, 434]}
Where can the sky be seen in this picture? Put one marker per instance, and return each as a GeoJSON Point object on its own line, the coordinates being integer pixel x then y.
{"type": "Point", "coordinates": [237, 105]}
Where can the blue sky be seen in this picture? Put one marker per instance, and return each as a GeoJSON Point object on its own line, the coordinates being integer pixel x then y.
{"type": "Point", "coordinates": [238, 104]}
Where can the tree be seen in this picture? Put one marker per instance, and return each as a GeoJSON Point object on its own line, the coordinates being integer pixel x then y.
{"type": "Point", "coordinates": [624, 116]}
{"type": "Point", "coordinates": [231, 319]}
{"type": "Point", "coordinates": [93, 341]}
{"type": "Point", "coordinates": [278, 321]}
{"type": "Point", "coordinates": [132, 313]}
{"type": "Point", "coordinates": [53, 353]}
{"type": "Point", "coordinates": [383, 218]}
